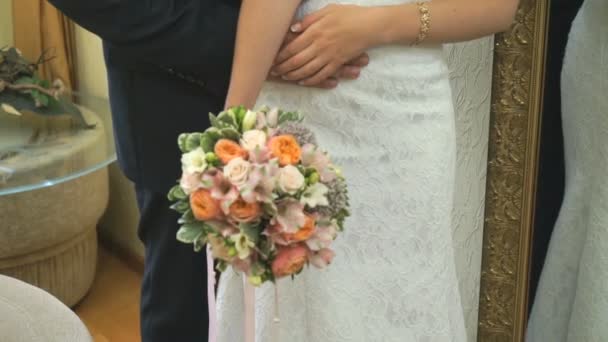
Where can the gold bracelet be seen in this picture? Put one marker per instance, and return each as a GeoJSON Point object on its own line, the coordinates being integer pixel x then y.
{"type": "Point", "coordinates": [425, 22]}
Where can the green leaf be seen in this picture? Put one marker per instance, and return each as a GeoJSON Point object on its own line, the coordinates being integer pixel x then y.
{"type": "Point", "coordinates": [181, 206]}
{"type": "Point", "coordinates": [231, 133]}
{"type": "Point", "coordinates": [207, 142]}
{"type": "Point", "coordinates": [193, 141]}
{"type": "Point", "coordinates": [199, 243]}
{"type": "Point", "coordinates": [187, 217]}
{"type": "Point", "coordinates": [228, 118]}
{"type": "Point", "coordinates": [44, 84]}
{"type": "Point", "coordinates": [190, 232]}
{"type": "Point", "coordinates": [252, 231]}
{"type": "Point", "coordinates": [181, 142]}
{"type": "Point", "coordinates": [221, 266]}
{"type": "Point", "coordinates": [240, 112]}
{"type": "Point", "coordinates": [214, 121]}
{"type": "Point", "coordinates": [289, 116]}
{"type": "Point", "coordinates": [177, 193]}
{"type": "Point", "coordinates": [214, 133]}
{"type": "Point", "coordinates": [40, 97]}
{"type": "Point", "coordinates": [266, 246]}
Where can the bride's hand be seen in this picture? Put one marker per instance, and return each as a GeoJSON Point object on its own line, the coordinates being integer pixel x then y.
{"type": "Point", "coordinates": [330, 39]}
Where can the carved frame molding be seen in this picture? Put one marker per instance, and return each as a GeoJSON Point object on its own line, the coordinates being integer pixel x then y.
{"type": "Point", "coordinates": [517, 89]}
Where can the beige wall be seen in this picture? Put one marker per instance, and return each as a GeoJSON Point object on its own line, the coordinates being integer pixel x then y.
{"type": "Point", "coordinates": [6, 23]}
{"type": "Point", "coordinates": [471, 76]}
{"type": "Point", "coordinates": [119, 224]}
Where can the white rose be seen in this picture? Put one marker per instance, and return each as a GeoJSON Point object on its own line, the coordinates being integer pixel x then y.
{"type": "Point", "coordinates": [253, 139]}
{"type": "Point", "coordinates": [237, 171]}
{"type": "Point", "coordinates": [249, 120]}
{"type": "Point", "coordinates": [194, 161]}
{"type": "Point", "coordinates": [190, 182]}
{"type": "Point", "coordinates": [290, 179]}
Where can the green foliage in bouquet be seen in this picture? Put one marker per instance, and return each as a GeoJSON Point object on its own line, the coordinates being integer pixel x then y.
{"type": "Point", "coordinates": [22, 90]}
{"type": "Point", "coordinates": [228, 124]}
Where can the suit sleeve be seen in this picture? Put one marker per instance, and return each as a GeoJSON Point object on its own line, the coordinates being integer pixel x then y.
{"type": "Point", "coordinates": [194, 37]}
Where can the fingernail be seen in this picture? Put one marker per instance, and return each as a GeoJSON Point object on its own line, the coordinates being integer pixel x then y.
{"type": "Point", "coordinates": [285, 78]}
{"type": "Point", "coordinates": [296, 27]}
{"type": "Point", "coordinates": [274, 73]}
{"type": "Point", "coordinates": [301, 83]}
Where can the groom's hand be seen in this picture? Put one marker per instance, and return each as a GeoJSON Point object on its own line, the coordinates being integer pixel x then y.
{"type": "Point", "coordinates": [286, 72]}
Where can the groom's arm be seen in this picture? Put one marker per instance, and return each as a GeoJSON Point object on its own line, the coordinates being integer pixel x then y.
{"type": "Point", "coordinates": [192, 38]}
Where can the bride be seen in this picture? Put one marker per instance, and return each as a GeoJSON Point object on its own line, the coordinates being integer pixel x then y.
{"type": "Point", "coordinates": [571, 303]}
{"type": "Point", "coordinates": [392, 131]}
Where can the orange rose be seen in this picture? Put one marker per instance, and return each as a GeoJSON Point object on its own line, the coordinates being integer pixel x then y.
{"type": "Point", "coordinates": [304, 233]}
{"type": "Point", "coordinates": [245, 212]}
{"type": "Point", "coordinates": [227, 150]}
{"type": "Point", "coordinates": [286, 148]}
{"type": "Point", "coordinates": [204, 207]}
{"type": "Point", "coordinates": [289, 260]}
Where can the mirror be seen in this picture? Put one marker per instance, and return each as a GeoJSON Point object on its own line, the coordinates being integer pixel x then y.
{"type": "Point", "coordinates": [568, 282]}
{"type": "Point", "coordinates": [497, 91]}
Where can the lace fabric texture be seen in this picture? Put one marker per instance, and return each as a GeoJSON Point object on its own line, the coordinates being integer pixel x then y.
{"type": "Point", "coordinates": [572, 299]}
{"type": "Point", "coordinates": [394, 277]}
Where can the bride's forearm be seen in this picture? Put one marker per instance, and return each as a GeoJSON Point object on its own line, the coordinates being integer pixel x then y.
{"type": "Point", "coordinates": [451, 20]}
{"type": "Point", "coordinates": [261, 29]}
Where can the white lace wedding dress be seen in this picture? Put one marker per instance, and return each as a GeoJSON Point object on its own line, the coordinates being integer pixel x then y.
{"type": "Point", "coordinates": [572, 298]}
{"type": "Point", "coordinates": [394, 276]}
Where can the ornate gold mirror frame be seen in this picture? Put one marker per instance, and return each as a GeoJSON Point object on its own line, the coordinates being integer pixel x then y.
{"type": "Point", "coordinates": [517, 89]}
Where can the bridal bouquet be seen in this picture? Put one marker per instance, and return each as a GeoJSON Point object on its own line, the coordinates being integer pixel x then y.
{"type": "Point", "coordinates": [256, 188]}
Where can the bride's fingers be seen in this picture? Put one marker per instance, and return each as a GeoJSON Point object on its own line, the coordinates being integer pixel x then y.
{"type": "Point", "coordinates": [308, 20]}
{"type": "Point", "coordinates": [308, 70]}
{"type": "Point", "coordinates": [360, 61]}
{"type": "Point", "coordinates": [295, 62]}
{"type": "Point", "coordinates": [328, 71]}
{"type": "Point", "coordinates": [329, 83]}
{"type": "Point", "coordinates": [349, 72]}
{"type": "Point", "coordinates": [303, 41]}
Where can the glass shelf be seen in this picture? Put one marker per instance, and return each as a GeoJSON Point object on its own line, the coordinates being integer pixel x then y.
{"type": "Point", "coordinates": [40, 151]}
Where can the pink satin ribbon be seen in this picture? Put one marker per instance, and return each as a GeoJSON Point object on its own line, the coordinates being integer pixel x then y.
{"type": "Point", "coordinates": [249, 301]}
{"type": "Point", "coordinates": [211, 297]}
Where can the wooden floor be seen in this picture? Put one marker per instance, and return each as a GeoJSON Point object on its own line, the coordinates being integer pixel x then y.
{"type": "Point", "coordinates": [111, 309]}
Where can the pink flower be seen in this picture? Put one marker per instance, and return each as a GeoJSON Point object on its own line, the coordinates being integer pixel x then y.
{"type": "Point", "coordinates": [224, 228]}
{"type": "Point", "coordinates": [290, 215]}
{"type": "Point", "coordinates": [190, 182]}
{"type": "Point", "coordinates": [276, 235]}
{"type": "Point", "coordinates": [322, 258]}
{"type": "Point", "coordinates": [318, 160]}
{"type": "Point", "coordinates": [221, 189]}
{"type": "Point", "coordinates": [259, 155]}
{"type": "Point", "coordinates": [324, 236]}
{"type": "Point", "coordinates": [243, 265]}
{"type": "Point", "coordinates": [219, 248]}
{"type": "Point", "coordinates": [261, 183]}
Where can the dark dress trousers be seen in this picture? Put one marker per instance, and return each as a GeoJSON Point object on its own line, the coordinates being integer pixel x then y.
{"type": "Point", "coordinates": [168, 64]}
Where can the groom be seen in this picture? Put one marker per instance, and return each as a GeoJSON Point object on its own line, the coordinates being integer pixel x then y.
{"type": "Point", "coordinates": [168, 65]}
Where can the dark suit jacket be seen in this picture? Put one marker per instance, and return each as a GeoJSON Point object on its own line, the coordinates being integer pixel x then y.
{"type": "Point", "coordinates": [168, 64]}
